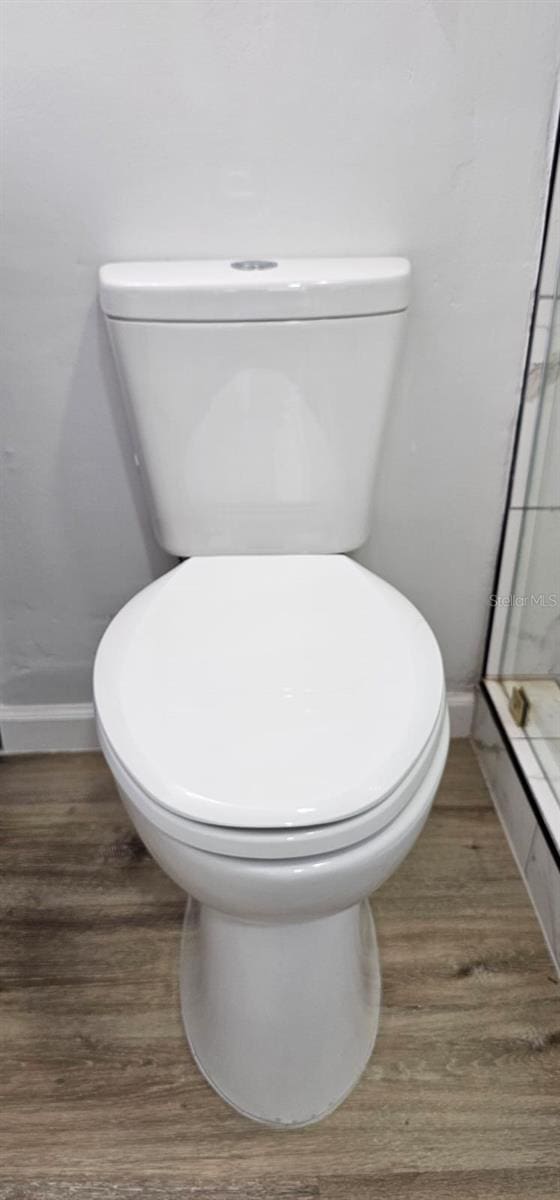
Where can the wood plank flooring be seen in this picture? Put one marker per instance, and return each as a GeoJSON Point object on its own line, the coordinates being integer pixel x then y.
{"type": "Point", "coordinates": [100, 1099]}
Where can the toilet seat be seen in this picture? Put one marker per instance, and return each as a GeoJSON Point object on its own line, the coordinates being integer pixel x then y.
{"type": "Point", "coordinates": [302, 842]}
{"type": "Point", "coordinates": [268, 693]}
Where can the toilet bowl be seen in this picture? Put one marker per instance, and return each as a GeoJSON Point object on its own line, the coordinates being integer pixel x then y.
{"type": "Point", "coordinates": [278, 755]}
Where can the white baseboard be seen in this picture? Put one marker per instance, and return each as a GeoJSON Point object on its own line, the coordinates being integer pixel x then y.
{"type": "Point", "coordinates": [40, 728]}
{"type": "Point", "coordinates": [48, 728]}
{"type": "Point", "coordinates": [461, 712]}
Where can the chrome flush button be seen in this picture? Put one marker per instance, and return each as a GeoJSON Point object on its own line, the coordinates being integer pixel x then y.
{"type": "Point", "coordinates": [253, 264]}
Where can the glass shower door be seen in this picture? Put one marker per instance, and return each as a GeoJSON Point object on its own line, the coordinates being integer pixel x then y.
{"type": "Point", "coordinates": [522, 675]}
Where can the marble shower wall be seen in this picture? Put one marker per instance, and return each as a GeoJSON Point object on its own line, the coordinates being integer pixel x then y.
{"type": "Point", "coordinates": [526, 631]}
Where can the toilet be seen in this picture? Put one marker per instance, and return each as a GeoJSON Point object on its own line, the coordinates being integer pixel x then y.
{"type": "Point", "coordinates": [274, 715]}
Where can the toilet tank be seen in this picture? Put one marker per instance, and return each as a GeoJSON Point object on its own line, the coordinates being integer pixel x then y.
{"type": "Point", "coordinates": [257, 393]}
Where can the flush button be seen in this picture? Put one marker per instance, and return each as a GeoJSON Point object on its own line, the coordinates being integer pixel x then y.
{"type": "Point", "coordinates": [253, 264]}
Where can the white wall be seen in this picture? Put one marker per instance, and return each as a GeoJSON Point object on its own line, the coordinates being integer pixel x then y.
{"type": "Point", "coordinates": [157, 128]}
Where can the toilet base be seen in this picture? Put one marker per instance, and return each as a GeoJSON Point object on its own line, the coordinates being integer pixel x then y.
{"type": "Point", "coordinates": [281, 1018]}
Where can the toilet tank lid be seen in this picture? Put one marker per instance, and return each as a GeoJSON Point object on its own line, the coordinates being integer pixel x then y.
{"type": "Point", "coordinates": [254, 289]}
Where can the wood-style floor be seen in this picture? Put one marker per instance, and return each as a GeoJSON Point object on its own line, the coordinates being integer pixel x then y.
{"type": "Point", "coordinates": [99, 1097]}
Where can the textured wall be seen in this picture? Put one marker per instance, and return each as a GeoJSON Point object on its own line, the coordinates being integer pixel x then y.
{"type": "Point", "coordinates": [158, 128]}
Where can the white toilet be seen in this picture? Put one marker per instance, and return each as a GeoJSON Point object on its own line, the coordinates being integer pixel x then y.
{"type": "Point", "coordinates": [273, 714]}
